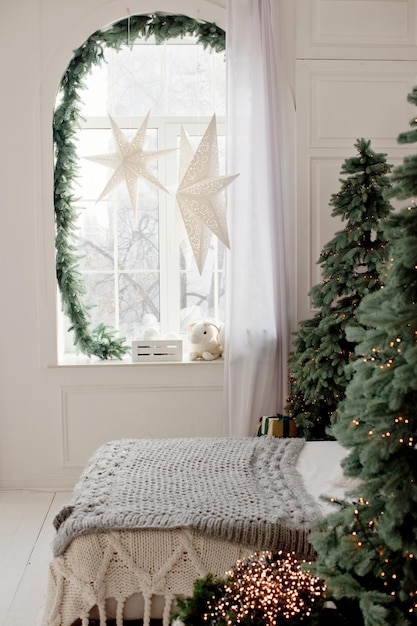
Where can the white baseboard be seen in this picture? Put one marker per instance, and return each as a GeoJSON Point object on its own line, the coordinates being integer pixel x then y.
{"type": "Point", "coordinates": [40, 483]}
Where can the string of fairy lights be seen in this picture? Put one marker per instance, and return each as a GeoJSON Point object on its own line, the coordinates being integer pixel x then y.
{"type": "Point", "coordinates": [363, 532]}
{"type": "Point", "coordinates": [266, 586]}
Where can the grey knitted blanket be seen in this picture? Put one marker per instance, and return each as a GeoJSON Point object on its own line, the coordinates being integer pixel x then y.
{"type": "Point", "coordinates": [245, 490]}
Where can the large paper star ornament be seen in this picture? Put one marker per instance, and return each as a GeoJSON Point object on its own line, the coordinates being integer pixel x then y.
{"type": "Point", "coordinates": [199, 195]}
{"type": "Point", "coordinates": [129, 162]}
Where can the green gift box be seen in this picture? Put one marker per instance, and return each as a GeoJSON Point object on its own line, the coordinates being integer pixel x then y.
{"type": "Point", "coordinates": [277, 426]}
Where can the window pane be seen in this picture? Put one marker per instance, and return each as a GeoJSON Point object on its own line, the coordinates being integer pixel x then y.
{"type": "Point", "coordinates": [138, 239]}
{"type": "Point", "coordinates": [202, 295]}
{"type": "Point", "coordinates": [219, 63]}
{"type": "Point", "coordinates": [189, 80]}
{"type": "Point", "coordinates": [139, 297]}
{"type": "Point", "coordinates": [96, 237]}
{"type": "Point", "coordinates": [92, 178]}
{"type": "Point", "coordinates": [95, 96]}
{"type": "Point", "coordinates": [100, 297]}
{"type": "Point", "coordinates": [138, 83]}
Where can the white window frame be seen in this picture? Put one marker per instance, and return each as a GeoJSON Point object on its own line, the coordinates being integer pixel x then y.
{"type": "Point", "coordinates": [168, 129]}
{"type": "Point", "coordinates": [168, 212]}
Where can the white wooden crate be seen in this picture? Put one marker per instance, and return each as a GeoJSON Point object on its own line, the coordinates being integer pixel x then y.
{"type": "Point", "coordinates": [157, 350]}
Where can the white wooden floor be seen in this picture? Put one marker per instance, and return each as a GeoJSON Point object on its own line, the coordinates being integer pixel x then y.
{"type": "Point", "coordinates": [26, 533]}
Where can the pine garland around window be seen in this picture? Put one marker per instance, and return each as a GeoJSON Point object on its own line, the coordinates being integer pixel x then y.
{"type": "Point", "coordinates": [100, 341]}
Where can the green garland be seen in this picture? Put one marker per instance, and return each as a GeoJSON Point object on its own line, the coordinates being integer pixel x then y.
{"type": "Point", "coordinates": [101, 341]}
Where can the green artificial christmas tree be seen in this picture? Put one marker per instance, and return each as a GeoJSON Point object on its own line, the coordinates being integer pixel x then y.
{"type": "Point", "coordinates": [349, 262]}
{"type": "Point", "coordinates": [368, 550]}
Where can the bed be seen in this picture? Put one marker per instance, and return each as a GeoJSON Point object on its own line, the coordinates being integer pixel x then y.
{"type": "Point", "coordinates": [149, 517]}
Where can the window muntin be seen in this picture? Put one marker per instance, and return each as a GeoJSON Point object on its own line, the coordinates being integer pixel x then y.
{"type": "Point", "coordinates": [138, 270]}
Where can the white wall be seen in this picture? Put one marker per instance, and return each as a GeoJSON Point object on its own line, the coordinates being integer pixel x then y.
{"type": "Point", "coordinates": [51, 418]}
{"type": "Point", "coordinates": [355, 67]}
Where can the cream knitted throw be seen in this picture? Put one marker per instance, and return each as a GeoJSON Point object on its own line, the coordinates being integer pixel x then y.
{"type": "Point", "coordinates": [132, 575]}
{"type": "Point", "coordinates": [244, 490]}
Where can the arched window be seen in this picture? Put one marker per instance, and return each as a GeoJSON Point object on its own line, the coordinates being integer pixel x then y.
{"type": "Point", "coordinates": [123, 259]}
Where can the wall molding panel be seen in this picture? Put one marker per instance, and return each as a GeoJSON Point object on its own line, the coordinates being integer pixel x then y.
{"type": "Point", "coordinates": [338, 102]}
{"type": "Point", "coordinates": [92, 415]}
{"type": "Point", "coordinates": [345, 100]}
{"type": "Point", "coordinates": [357, 29]}
{"type": "Point", "coordinates": [323, 174]}
{"type": "Point", "coordinates": [344, 105]}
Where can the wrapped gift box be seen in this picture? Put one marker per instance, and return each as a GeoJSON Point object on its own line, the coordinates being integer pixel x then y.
{"type": "Point", "coordinates": [277, 426]}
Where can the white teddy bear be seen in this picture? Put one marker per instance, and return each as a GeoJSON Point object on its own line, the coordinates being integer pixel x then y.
{"type": "Point", "coordinates": [204, 338]}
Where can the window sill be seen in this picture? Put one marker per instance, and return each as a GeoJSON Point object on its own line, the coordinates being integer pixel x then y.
{"type": "Point", "coordinates": [74, 360]}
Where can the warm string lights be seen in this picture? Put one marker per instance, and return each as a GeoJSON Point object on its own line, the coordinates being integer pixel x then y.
{"type": "Point", "coordinates": [363, 533]}
{"type": "Point", "coordinates": [361, 528]}
{"type": "Point", "coordinates": [399, 430]}
{"type": "Point", "coordinates": [384, 357]}
{"type": "Point", "coordinates": [265, 587]}
{"type": "Point", "coordinates": [364, 530]}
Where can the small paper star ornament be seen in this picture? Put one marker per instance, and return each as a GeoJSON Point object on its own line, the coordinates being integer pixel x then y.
{"type": "Point", "coordinates": [129, 162]}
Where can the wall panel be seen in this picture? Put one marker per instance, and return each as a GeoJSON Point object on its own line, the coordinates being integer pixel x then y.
{"type": "Point", "coordinates": [92, 415]}
{"type": "Point", "coordinates": [339, 101]}
{"type": "Point", "coordinates": [358, 29]}
{"type": "Point", "coordinates": [366, 22]}
{"type": "Point", "coordinates": [365, 101]}
{"type": "Point", "coordinates": [31, 420]}
{"type": "Point", "coordinates": [316, 226]}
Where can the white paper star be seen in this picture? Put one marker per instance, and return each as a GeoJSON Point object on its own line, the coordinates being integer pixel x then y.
{"type": "Point", "coordinates": [129, 162]}
{"type": "Point", "coordinates": [202, 208]}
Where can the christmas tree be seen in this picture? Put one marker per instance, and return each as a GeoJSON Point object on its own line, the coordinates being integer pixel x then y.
{"type": "Point", "coordinates": [368, 550]}
{"type": "Point", "coordinates": [349, 262]}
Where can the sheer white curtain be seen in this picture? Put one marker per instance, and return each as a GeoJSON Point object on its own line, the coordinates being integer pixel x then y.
{"type": "Point", "coordinates": [257, 319]}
